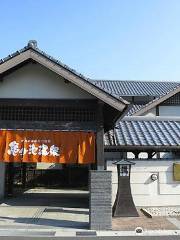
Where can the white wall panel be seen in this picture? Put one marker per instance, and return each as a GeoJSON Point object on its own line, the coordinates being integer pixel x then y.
{"type": "Point", "coordinates": [169, 111]}
{"type": "Point", "coordinates": [150, 113]}
{"type": "Point", "coordinates": [167, 177]}
{"type": "Point", "coordinates": [35, 81]}
{"type": "Point", "coordinates": [163, 192]}
{"type": "Point", "coordinates": [140, 189]}
{"type": "Point", "coordinates": [164, 200]}
{"type": "Point", "coordinates": [138, 177]}
{"type": "Point", "coordinates": [170, 189]}
{"type": "Point", "coordinates": [114, 177]}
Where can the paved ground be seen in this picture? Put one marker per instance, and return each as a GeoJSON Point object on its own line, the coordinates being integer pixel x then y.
{"type": "Point", "coordinates": [53, 212]}
{"type": "Point", "coordinates": [38, 208]}
{"type": "Point", "coordinates": [154, 223]}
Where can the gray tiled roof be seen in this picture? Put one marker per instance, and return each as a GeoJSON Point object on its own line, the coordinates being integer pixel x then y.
{"type": "Point", "coordinates": [136, 131]}
{"type": "Point", "coordinates": [136, 88]}
{"type": "Point", "coordinates": [134, 108]}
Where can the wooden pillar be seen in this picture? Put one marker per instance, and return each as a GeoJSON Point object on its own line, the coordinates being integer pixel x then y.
{"type": "Point", "coordinates": [10, 178]}
{"type": "Point", "coordinates": [24, 175]}
{"type": "Point", "coordinates": [2, 179]}
{"type": "Point", "coordinates": [100, 138]}
{"type": "Point", "coordinates": [136, 154]}
{"type": "Point", "coordinates": [150, 155]}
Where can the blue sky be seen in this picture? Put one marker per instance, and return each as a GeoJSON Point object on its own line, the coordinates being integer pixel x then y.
{"type": "Point", "coordinates": [115, 39]}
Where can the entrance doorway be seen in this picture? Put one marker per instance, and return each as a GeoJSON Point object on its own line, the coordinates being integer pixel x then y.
{"type": "Point", "coordinates": [52, 197]}
{"type": "Point", "coordinates": [23, 176]}
{"type": "Point", "coordinates": [51, 131]}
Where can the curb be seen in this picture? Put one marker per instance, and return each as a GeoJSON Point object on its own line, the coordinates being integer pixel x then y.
{"type": "Point", "coordinates": [143, 233]}
{"type": "Point", "coordinates": [89, 233]}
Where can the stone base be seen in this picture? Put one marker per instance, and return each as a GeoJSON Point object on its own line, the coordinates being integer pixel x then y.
{"type": "Point", "coordinates": [100, 211]}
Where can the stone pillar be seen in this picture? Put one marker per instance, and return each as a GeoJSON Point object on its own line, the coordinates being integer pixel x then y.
{"type": "Point", "coordinates": [100, 209]}
{"type": "Point", "coordinates": [2, 180]}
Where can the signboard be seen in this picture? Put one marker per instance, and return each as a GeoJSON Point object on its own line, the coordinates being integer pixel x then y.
{"type": "Point", "coordinates": [47, 146]}
{"type": "Point", "coordinates": [176, 171]}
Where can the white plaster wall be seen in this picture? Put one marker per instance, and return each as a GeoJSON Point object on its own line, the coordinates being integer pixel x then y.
{"type": "Point", "coordinates": [141, 155]}
{"type": "Point", "coordinates": [150, 113]}
{"type": "Point", "coordinates": [163, 192]}
{"type": "Point", "coordinates": [35, 81]}
{"type": "Point", "coordinates": [169, 111]}
{"type": "Point", "coordinates": [2, 179]}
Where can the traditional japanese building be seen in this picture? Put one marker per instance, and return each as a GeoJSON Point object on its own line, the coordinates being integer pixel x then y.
{"type": "Point", "coordinates": [49, 113]}
{"type": "Point", "coordinates": [59, 128]}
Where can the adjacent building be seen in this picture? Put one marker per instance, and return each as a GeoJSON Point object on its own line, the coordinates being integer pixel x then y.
{"type": "Point", "coordinates": [149, 134]}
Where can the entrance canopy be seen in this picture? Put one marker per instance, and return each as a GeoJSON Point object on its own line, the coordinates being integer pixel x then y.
{"type": "Point", "coordinates": [47, 146]}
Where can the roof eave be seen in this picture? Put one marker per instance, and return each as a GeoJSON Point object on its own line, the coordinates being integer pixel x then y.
{"type": "Point", "coordinates": [67, 73]}
{"type": "Point", "coordinates": [144, 148]}
{"type": "Point", "coordinates": [156, 102]}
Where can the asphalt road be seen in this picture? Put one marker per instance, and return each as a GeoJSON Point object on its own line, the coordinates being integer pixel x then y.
{"type": "Point", "coordinates": [93, 238]}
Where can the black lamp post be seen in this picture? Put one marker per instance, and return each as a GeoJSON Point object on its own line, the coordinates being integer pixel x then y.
{"type": "Point", "coordinates": [124, 205]}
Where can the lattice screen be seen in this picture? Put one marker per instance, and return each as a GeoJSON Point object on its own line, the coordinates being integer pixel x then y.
{"type": "Point", "coordinates": [175, 100]}
{"type": "Point", "coordinates": [36, 113]}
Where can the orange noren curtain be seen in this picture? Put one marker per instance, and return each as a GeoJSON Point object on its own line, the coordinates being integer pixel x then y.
{"type": "Point", "coordinates": [47, 146]}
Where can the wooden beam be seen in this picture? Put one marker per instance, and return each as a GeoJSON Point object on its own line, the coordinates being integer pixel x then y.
{"type": "Point", "coordinates": [10, 178]}
{"type": "Point", "coordinates": [85, 103]}
{"type": "Point", "coordinates": [48, 125]}
{"type": "Point", "coordinates": [157, 110]}
{"type": "Point", "coordinates": [24, 166]}
{"type": "Point", "coordinates": [18, 66]}
{"type": "Point", "coordinates": [136, 154]}
{"type": "Point", "coordinates": [100, 137]}
{"type": "Point", "coordinates": [150, 154]}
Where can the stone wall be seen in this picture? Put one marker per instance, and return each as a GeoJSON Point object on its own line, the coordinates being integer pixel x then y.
{"type": "Point", "coordinates": [100, 211]}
